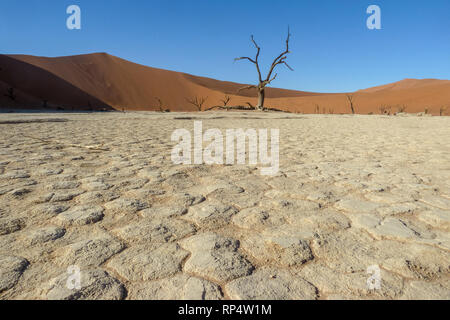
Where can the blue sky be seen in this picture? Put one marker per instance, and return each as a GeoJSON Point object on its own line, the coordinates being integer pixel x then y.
{"type": "Point", "coordinates": [332, 49]}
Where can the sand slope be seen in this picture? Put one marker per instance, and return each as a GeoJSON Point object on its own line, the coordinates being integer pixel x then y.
{"type": "Point", "coordinates": [40, 86]}
{"type": "Point", "coordinates": [102, 81]}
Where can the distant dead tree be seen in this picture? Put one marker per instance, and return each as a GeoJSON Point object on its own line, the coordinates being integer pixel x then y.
{"type": "Point", "coordinates": [442, 110]}
{"type": "Point", "coordinates": [225, 101]}
{"type": "Point", "coordinates": [197, 102]}
{"type": "Point", "coordinates": [10, 94]}
{"type": "Point", "coordinates": [331, 111]}
{"type": "Point", "coordinates": [317, 108]}
{"type": "Point", "coordinates": [262, 83]}
{"type": "Point", "coordinates": [350, 100]}
{"type": "Point", "coordinates": [402, 108]}
{"type": "Point", "coordinates": [385, 109]}
{"type": "Point", "coordinates": [160, 104]}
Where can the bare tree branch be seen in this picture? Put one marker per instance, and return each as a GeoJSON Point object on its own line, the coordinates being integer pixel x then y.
{"type": "Point", "coordinates": [215, 107]}
{"type": "Point", "coordinates": [281, 59]}
{"type": "Point", "coordinates": [254, 61]}
{"type": "Point", "coordinates": [197, 102]}
{"type": "Point", "coordinates": [256, 58]}
{"type": "Point", "coordinates": [247, 88]}
{"type": "Point", "coordinates": [289, 67]}
{"type": "Point", "coordinates": [350, 100]}
{"type": "Point", "coordinates": [225, 100]}
{"type": "Point", "coordinates": [250, 105]}
{"type": "Point", "coordinates": [266, 82]}
{"type": "Point", "coordinates": [243, 58]}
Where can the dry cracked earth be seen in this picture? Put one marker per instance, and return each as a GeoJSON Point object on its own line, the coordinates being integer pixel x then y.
{"type": "Point", "coordinates": [99, 191]}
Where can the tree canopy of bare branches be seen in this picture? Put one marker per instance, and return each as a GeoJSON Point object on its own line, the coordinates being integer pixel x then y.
{"type": "Point", "coordinates": [225, 100]}
{"type": "Point", "coordinates": [263, 82]}
{"type": "Point", "coordinates": [197, 102]}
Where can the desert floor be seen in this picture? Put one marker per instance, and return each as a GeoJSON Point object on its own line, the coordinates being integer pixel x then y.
{"type": "Point", "coordinates": [99, 191]}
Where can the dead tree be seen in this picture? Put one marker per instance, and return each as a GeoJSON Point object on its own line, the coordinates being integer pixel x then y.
{"type": "Point", "coordinates": [385, 109]}
{"type": "Point", "coordinates": [161, 105]}
{"type": "Point", "coordinates": [442, 110]}
{"type": "Point", "coordinates": [317, 108]}
{"type": "Point", "coordinates": [11, 94]}
{"type": "Point", "coordinates": [402, 108]}
{"type": "Point", "coordinates": [225, 101]}
{"type": "Point", "coordinates": [197, 102]}
{"type": "Point", "coordinates": [250, 105]}
{"type": "Point", "coordinates": [262, 83]}
{"type": "Point", "coordinates": [350, 100]}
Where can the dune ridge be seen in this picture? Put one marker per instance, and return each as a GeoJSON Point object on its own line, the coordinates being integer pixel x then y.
{"type": "Point", "coordinates": [100, 81]}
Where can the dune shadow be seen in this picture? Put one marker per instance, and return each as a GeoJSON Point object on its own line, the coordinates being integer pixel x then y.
{"type": "Point", "coordinates": [46, 86]}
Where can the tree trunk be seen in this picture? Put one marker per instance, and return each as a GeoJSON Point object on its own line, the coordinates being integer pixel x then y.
{"type": "Point", "coordinates": [261, 96]}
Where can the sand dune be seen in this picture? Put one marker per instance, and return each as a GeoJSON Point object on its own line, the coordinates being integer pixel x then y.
{"type": "Point", "coordinates": [44, 87]}
{"type": "Point", "coordinates": [407, 84]}
{"type": "Point", "coordinates": [103, 81]}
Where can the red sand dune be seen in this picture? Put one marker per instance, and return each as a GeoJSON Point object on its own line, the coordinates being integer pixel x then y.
{"type": "Point", "coordinates": [101, 81]}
